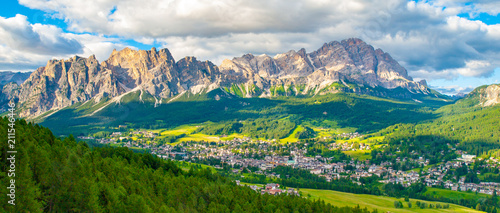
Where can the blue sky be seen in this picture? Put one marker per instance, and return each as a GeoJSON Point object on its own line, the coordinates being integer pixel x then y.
{"type": "Point", "coordinates": [453, 44]}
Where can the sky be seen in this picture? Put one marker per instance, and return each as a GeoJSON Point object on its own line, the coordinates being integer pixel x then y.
{"type": "Point", "coordinates": [453, 44]}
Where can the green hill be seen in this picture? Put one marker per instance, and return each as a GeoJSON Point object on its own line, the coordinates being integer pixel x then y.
{"type": "Point", "coordinates": [385, 204]}
{"type": "Point", "coordinates": [474, 127]}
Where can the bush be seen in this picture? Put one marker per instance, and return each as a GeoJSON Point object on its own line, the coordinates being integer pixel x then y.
{"type": "Point", "coordinates": [423, 205]}
{"type": "Point", "coordinates": [398, 204]}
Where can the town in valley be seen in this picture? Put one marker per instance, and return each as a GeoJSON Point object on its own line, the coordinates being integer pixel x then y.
{"type": "Point", "coordinates": [242, 155]}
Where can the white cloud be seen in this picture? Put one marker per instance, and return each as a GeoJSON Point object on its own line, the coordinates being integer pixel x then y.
{"type": "Point", "coordinates": [19, 34]}
{"type": "Point", "coordinates": [25, 46]}
{"type": "Point", "coordinates": [158, 18]}
{"type": "Point", "coordinates": [473, 68]}
{"type": "Point", "coordinates": [491, 7]}
{"type": "Point", "coordinates": [98, 45]}
{"type": "Point", "coordinates": [427, 37]}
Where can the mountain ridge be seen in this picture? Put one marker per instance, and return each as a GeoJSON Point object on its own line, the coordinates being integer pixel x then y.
{"type": "Point", "coordinates": [486, 95]}
{"type": "Point", "coordinates": [352, 64]}
{"type": "Point", "coordinates": [9, 76]}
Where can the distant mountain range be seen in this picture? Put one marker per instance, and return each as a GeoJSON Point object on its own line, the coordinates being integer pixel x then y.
{"type": "Point", "coordinates": [9, 76]}
{"type": "Point", "coordinates": [347, 66]}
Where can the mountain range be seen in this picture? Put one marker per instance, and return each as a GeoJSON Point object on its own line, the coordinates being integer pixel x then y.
{"type": "Point", "coordinates": [309, 101]}
{"type": "Point", "coordinates": [350, 65]}
{"type": "Point", "coordinates": [9, 76]}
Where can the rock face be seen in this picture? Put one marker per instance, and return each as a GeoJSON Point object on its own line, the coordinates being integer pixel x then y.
{"type": "Point", "coordinates": [62, 83]}
{"type": "Point", "coordinates": [490, 95]}
{"type": "Point", "coordinates": [351, 60]}
{"type": "Point", "coordinates": [484, 96]}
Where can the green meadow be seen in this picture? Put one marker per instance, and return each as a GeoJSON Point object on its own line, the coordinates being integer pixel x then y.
{"type": "Point", "coordinates": [381, 203]}
{"type": "Point", "coordinates": [456, 195]}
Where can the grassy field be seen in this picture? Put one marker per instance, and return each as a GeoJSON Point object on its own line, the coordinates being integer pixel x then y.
{"type": "Point", "coordinates": [187, 165]}
{"type": "Point", "coordinates": [198, 138]}
{"type": "Point", "coordinates": [292, 138]}
{"type": "Point", "coordinates": [359, 154]}
{"type": "Point", "coordinates": [232, 136]}
{"type": "Point", "coordinates": [362, 154]}
{"type": "Point", "coordinates": [190, 135]}
{"type": "Point", "coordinates": [456, 195]}
{"type": "Point", "coordinates": [365, 141]}
{"type": "Point", "coordinates": [184, 129]}
{"type": "Point", "coordinates": [188, 131]}
{"type": "Point", "coordinates": [383, 204]}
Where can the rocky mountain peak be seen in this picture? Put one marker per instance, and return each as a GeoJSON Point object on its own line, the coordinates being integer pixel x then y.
{"type": "Point", "coordinates": [350, 60]}
{"type": "Point", "coordinates": [302, 52]}
{"type": "Point", "coordinates": [490, 95]}
{"type": "Point", "coordinates": [129, 57]}
{"type": "Point", "coordinates": [62, 83]}
{"type": "Point", "coordinates": [353, 42]}
{"type": "Point", "coordinates": [248, 56]}
{"type": "Point", "coordinates": [133, 67]}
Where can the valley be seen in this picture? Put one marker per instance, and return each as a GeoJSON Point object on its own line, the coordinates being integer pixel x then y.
{"type": "Point", "coordinates": [308, 106]}
{"type": "Point", "coordinates": [326, 156]}
{"type": "Point", "coordinates": [344, 122]}
{"type": "Point", "coordinates": [370, 163]}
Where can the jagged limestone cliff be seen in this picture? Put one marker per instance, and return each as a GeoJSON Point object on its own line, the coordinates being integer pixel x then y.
{"type": "Point", "coordinates": [347, 66]}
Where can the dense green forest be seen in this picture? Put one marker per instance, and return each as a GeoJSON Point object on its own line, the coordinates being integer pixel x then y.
{"type": "Point", "coordinates": [340, 110]}
{"type": "Point", "coordinates": [474, 128]}
{"type": "Point", "coordinates": [54, 175]}
{"type": "Point", "coordinates": [268, 128]}
{"type": "Point", "coordinates": [110, 176]}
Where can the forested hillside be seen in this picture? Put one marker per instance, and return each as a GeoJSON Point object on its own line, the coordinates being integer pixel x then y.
{"type": "Point", "coordinates": [54, 175]}
{"type": "Point", "coordinates": [475, 128]}
{"type": "Point", "coordinates": [271, 118]}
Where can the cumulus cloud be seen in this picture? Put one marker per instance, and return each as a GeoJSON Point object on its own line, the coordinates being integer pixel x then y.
{"type": "Point", "coordinates": [234, 45]}
{"type": "Point", "coordinates": [25, 46]}
{"type": "Point", "coordinates": [19, 34]}
{"type": "Point", "coordinates": [427, 37]}
{"type": "Point", "coordinates": [98, 45]}
{"type": "Point", "coordinates": [473, 68]}
{"type": "Point", "coordinates": [161, 18]}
